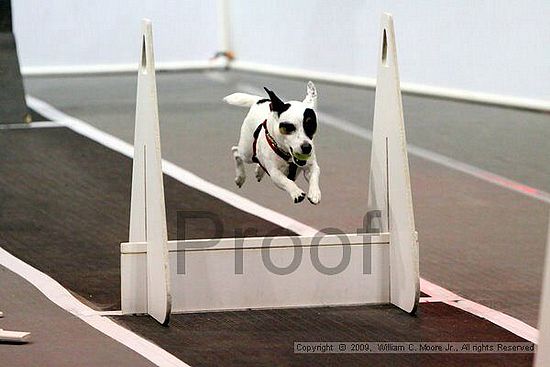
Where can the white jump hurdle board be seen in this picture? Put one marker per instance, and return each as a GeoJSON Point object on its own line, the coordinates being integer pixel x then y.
{"type": "Point", "coordinates": [280, 275]}
{"type": "Point", "coordinates": [160, 276]}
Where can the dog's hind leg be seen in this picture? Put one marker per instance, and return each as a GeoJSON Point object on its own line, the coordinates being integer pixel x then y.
{"type": "Point", "coordinates": [240, 174]}
{"type": "Point", "coordinates": [259, 172]}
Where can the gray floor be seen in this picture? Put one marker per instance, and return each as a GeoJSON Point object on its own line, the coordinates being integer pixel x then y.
{"type": "Point", "coordinates": [477, 239]}
{"type": "Point", "coordinates": [53, 331]}
{"type": "Point", "coordinates": [12, 95]}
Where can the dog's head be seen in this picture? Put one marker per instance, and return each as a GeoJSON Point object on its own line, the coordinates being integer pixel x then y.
{"type": "Point", "coordinates": [294, 124]}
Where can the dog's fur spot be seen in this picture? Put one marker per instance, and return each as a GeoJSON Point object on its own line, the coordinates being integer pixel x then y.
{"type": "Point", "coordinates": [292, 169]}
{"type": "Point", "coordinates": [310, 122]}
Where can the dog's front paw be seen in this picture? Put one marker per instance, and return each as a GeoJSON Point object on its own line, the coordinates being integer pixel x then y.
{"type": "Point", "coordinates": [314, 195]}
{"type": "Point", "coordinates": [239, 180]}
{"type": "Point", "coordinates": [259, 173]}
{"type": "Point", "coordinates": [298, 196]}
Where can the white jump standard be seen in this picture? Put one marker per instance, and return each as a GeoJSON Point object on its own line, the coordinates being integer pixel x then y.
{"type": "Point", "coordinates": [379, 267]}
{"type": "Point", "coordinates": [7, 336]}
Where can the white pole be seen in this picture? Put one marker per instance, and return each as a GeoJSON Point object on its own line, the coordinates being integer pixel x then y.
{"type": "Point", "coordinates": [224, 19]}
{"type": "Point", "coordinates": [543, 353]}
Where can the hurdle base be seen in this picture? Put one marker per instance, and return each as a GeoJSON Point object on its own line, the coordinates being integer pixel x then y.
{"type": "Point", "coordinates": [7, 336]}
{"type": "Point", "coordinates": [237, 274]}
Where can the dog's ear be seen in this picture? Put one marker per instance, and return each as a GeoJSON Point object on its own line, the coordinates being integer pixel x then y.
{"type": "Point", "coordinates": [311, 95]}
{"type": "Point", "coordinates": [276, 104]}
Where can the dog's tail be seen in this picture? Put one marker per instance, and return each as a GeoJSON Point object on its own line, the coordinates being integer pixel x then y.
{"type": "Point", "coordinates": [242, 99]}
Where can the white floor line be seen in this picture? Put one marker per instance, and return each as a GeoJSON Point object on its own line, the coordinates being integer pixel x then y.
{"type": "Point", "coordinates": [110, 313]}
{"type": "Point", "coordinates": [428, 155]}
{"type": "Point", "coordinates": [193, 65]}
{"type": "Point", "coordinates": [30, 125]}
{"type": "Point", "coordinates": [507, 322]}
{"type": "Point", "coordinates": [436, 299]}
{"type": "Point", "coordinates": [64, 299]}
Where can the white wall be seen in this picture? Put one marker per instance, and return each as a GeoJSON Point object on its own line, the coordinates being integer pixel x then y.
{"type": "Point", "coordinates": [76, 33]}
{"type": "Point", "coordinates": [498, 46]}
{"type": "Point", "coordinates": [490, 46]}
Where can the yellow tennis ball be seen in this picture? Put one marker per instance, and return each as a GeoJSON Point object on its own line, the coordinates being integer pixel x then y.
{"type": "Point", "coordinates": [301, 157]}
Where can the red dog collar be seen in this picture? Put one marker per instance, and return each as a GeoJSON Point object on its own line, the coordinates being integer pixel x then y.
{"type": "Point", "coordinates": [276, 148]}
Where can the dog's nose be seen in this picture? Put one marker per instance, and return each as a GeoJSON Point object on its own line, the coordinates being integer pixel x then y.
{"type": "Point", "coordinates": [306, 148]}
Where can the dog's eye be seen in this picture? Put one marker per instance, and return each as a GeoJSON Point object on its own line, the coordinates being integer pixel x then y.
{"type": "Point", "coordinates": [286, 128]}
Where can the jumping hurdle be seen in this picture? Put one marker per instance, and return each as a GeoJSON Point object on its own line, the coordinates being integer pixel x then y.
{"type": "Point", "coordinates": [7, 336]}
{"type": "Point", "coordinates": [382, 265]}
{"type": "Point", "coordinates": [542, 357]}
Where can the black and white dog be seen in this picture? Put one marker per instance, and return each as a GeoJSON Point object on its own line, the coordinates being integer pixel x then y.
{"type": "Point", "coordinates": [278, 137]}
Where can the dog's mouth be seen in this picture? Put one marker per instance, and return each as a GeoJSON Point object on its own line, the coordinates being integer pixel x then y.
{"type": "Point", "coordinates": [299, 158]}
